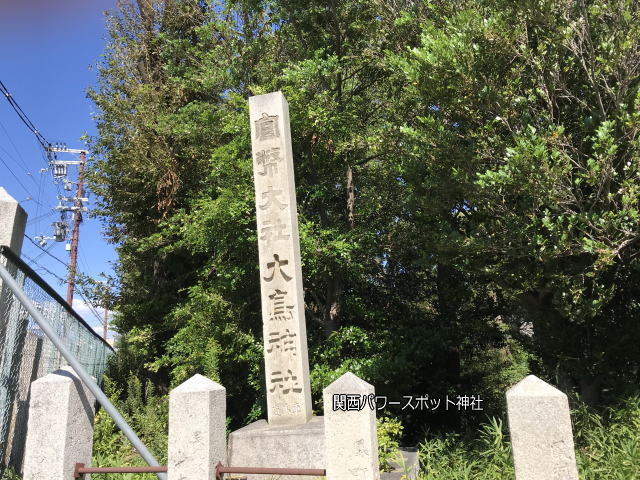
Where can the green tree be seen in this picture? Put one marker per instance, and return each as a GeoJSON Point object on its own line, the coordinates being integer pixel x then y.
{"type": "Point", "coordinates": [523, 152]}
{"type": "Point", "coordinates": [174, 174]}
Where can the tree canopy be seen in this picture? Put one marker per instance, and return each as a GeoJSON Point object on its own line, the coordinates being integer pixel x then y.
{"type": "Point", "coordinates": [467, 179]}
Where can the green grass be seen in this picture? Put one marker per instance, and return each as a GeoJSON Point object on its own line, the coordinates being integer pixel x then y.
{"type": "Point", "coordinates": [607, 445]}
{"type": "Point", "coordinates": [607, 448]}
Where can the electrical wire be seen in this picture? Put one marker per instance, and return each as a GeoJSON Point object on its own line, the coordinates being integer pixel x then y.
{"type": "Point", "coordinates": [77, 290]}
{"type": "Point", "coordinates": [15, 176]}
{"type": "Point", "coordinates": [36, 264]}
{"type": "Point", "coordinates": [23, 116]}
{"type": "Point", "coordinates": [45, 146]}
{"type": "Point", "coordinates": [37, 219]}
{"type": "Point", "coordinates": [22, 161]}
{"type": "Point", "coordinates": [42, 141]}
{"type": "Point", "coordinates": [38, 206]}
{"type": "Point", "coordinates": [47, 252]}
{"type": "Point", "coordinates": [92, 309]}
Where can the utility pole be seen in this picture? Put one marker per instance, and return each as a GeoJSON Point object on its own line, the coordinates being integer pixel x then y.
{"type": "Point", "coordinates": [60, 172]}
{"type": "Point", "coordinates": [77, 220]}
{"type": "Point", "coordinates": [106, 312]}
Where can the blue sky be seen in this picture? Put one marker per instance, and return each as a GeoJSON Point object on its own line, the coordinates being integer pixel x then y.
{"type": "Point", "coordinates": [47, 51]}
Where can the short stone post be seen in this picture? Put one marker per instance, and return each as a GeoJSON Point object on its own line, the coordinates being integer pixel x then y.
{"type": "Point", "coordinates": [540, 428]}
{"type": "Point", "coordinates": [351, 442]}
{"type": "Point", "coordinates": [13, 220]}
{"type": "Point", "coordinates": [60, 427]}
{"type": "Point", "coordinates": [197, 429]}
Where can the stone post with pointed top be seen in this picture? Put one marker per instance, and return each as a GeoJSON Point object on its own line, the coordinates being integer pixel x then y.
{"type": "Point", "coordinates": [13, 220]}
{"type": "Point", "coordinates": [60, 426]}
{"type": "Point", "coordinates": [540, 428]}
{"type": "Point", "coordinates": [351, 442]}
{"type": "Point", "coordinates": [197, 429]}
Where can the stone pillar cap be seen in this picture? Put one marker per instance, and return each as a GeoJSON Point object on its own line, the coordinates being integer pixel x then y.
{"type": "Point", "coordinates": [349, 383]}
{"type": "Point", "coordinates": [197, 383]}
{"type": "Point", "coordinates": [532, 386]}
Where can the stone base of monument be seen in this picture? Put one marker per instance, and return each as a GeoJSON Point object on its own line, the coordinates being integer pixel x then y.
{"type": "Point", "coordinates": [278, 446]}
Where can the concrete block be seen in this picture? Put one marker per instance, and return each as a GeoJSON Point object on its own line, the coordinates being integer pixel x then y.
{"type": "Point", "coordinates": [197, 429]}
{"type": "Point", "coordinates": [278, 446]}
{"type": "Point", "coordinates": [60, 427]}
{"type": "Point", "coordinates": [540, 428]}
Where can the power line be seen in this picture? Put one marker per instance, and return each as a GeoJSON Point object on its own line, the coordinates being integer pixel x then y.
{"type": "Point", "coordinates": [22, 161]}
{"type": "Point", "coordinates": [38, 218]}
{"type": "Point", "coordinates": [38, 205]}
{"type": "Point", "coordinates": [62, 280]}
{"type": "Point", "coordinates": [57, 185]}
{"type": "Point", "coordinates": [44, 251]}
{"type": "Point", "coordinates": [47, 252]}
{"type": "Point", "coordinates": [59, 169]}
{"type": "Point", "coordinates": [92, 309]}
{"type": "Point", "coordinates": [19, 182]}
{"type": "Point", "coordinates": [23, 116]}
{"type": "Point", "coordinates": [44, 143]}
{"type": "Point", "coordinates": [55, 275]}
{"type": "Point", "coordinates": [14, 176]}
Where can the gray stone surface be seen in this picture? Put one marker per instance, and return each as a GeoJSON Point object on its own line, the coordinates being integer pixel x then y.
{"type": "Point", "coordinates": [60, 427]}
{"type": "Point", "coordinates": [350, 435]}
{"type": "Point", "coordinates": [279, 446]}
{"type": "Point", "coordinates": [12, 222]}
{"type": "Point", "coordinates": [197, 429]}
{"type": "Point", "coordinates": [540, 429]}
{"type": "Point", "coordinates": [284, 329]}
{"type": "Point", "coordinates": [406, 469]}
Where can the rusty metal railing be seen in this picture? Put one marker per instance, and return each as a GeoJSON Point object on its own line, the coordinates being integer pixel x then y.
{"type": "Point", "coordinates": [221, 470]}
{"type": "Point", "coordinates": [80, 470]}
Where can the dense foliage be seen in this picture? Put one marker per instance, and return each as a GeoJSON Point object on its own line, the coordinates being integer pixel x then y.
{"type": "Point", "coordinates": [467, 179]}
{"type": "Point", "coordinates": [607, 446]}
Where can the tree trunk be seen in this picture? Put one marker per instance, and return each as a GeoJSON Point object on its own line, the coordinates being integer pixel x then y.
{"type": "Point", "coordinates": [351, 197]}
{"type": "Point", "coordinates": [332, 306]}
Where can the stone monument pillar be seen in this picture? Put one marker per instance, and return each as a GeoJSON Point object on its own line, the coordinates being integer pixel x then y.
{"type": "Point", "coordinates": [284, 329]}
{"type": "Point", "coordinates": [291, 438]}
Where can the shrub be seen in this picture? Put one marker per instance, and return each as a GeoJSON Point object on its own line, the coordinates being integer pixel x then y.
{"type": "Point", "coordinates": [389, 433]}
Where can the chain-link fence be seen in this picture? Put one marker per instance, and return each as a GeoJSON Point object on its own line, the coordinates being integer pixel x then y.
{"type": "Point", "coordinates": [27, 354]}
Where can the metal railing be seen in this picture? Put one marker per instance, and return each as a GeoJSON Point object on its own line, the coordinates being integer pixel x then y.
{"type": "Point", "coordinates": [20, 302]}
{"type": "Point", "coordinates": [26, 353]}
{"type": "Point", "coordinates": [81, 470]}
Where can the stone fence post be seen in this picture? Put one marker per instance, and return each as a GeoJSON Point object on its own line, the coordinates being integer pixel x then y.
{"type": "Point", "coordinates": [60, 427]}
{"type": "Point", "coordinates": [197, 429]}
{"type": "Point", "coordinates": [351, 442]}
{"type": "Point", "coordinates": [540, 428]}
{"type": "Point", "coordinates": [13, 220]}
